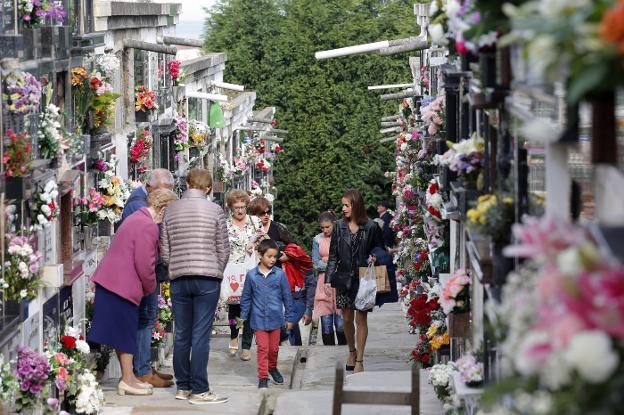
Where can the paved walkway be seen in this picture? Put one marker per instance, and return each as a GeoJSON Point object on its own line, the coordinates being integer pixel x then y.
{"type": "Point", "coordinates": [385, 362]}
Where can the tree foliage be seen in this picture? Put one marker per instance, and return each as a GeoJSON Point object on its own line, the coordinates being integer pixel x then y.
{"type": "Point", "coordinates": [333, 121]}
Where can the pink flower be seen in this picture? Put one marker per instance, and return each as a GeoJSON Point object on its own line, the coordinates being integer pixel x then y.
{"type": "Point", "coordinates": [433, 129]}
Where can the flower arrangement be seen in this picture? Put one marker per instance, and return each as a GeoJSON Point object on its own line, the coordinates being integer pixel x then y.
{"type": "Point", "coordinates": [22, 93]}
{"type": "Point", "coordinates": [554, 52]}
{"type": "Point", "coordinates": [198, 133]}
{"type": "Point", "coordinates": [240, 167]}
{"type": "Point", "coordinates": [566, 306]}
{"type": "Point", "coordinates": [438, 335]}
{"type": "Point", "coordinates": [89, 207]}
{"type": "Point", "coordinates": [35, 12]}
{"type": "Point", "coordinates": [93, 94]}
{"type": "Point", "coordinates": [456, 293]}
{"type": "Point", "coordinates": [263, 165]}
{"type": "Point", "coordinates": [21, 269]}
{"type": "Point", "coordinates": [140, 150]}
{"type": "Point", "coordinates": [158, 333]}
{"type": "Point", "coordinates": [144, 99]}
{"type": "Point", "coordinates": [433, 115]}
{"type": "Point", "coordinates": [422, 350]}
{"type": "Point", "coordinates": [44, 207]}
{"type": "Point", "coordinates": [164, 309]}
{"type": "Point", "coordinates": [17, 157]}
{"type": "Point", "coordinates": [492, 216]}
{"type": "Point", "coordinates": [434, 200]}
{"type": "Point", "coordinates": [181, 140]}
{"type": "Point", "coordinates": [114, 193]}
{"type": "Point", "coordinates": [90, 398]}
{"type": "Point", "coordinates": [32, 371]}
{"type": "Point", "coordinates": [470, 370]}
{"type": "Point", "coordinates": [466, 159]}
{"type": "Point", "coordinates": [175, 71]}
{"type": "Point", "coordinates": [50, 132]}
{"type": "Point", "coordinates": [73, 344]}
{"type": "Point", "coordinates": [440, 378]}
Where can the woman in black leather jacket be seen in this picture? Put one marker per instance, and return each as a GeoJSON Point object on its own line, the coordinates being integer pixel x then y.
{"type": "Point", "coordinates": [352, 242]}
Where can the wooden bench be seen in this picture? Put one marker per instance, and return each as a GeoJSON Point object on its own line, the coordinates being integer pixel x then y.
{"type": "Point", "coordinates": [372, 397]}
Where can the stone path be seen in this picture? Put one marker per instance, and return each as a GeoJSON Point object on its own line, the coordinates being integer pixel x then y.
{"type": "Point", "coordinates": [385, 363]}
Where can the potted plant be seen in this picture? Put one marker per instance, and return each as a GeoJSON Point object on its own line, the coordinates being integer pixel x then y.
{"type": "Point", "coordinates": [17, 160]}
{"type": "Point", "coordinates": [144, 103]}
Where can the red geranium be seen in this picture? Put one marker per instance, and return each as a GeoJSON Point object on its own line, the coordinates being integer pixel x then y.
{"type": "Point", "coordinates": [69, 342]}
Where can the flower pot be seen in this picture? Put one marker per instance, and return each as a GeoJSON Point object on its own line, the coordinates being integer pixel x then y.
{"type": "Point", "coordinates": [17, 187]}
{"type": "Point", "coordinates": [459, 324]}
{"type": "Point", "coordinates": [604, 131]}
{"type": "Point", "coordinates": [32, 43]}
{"type": "Point", "coordinates": [141, 116]}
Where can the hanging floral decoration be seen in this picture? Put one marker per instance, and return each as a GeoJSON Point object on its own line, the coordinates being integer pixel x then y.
{"type": "Point", "coordinates": [44, 208]}
{"type": "Point", "coordinates": [144, 99]}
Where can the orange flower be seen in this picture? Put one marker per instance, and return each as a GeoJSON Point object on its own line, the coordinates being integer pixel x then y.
{"type": "Point", "coordinates": [79, 75]}
{"type": "Point", "coordinates": [612, 26]}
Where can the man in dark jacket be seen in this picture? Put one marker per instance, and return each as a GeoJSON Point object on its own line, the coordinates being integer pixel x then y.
{"type": "Point", "coordinates": [384, 214]}
{"type": "Point", "coordinates": [148, 309]}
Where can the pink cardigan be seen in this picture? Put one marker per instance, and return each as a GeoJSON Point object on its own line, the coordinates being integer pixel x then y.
{"type": "Point", "coordinates": [128, 269]}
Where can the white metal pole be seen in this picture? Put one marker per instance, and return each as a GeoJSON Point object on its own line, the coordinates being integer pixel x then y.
{"type": "Point", "coordinates": [351, 50]}
{"type": "Point", "coordinates": [391, 86]}
{"type": "Point", "coordinates": [209, 97]}
{"type": "Point", "coordinates": [226, 85]}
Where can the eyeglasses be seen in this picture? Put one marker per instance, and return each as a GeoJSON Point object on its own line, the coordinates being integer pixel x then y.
{"type": "Point", "coordinates": [266, 212]}
{"type": "Point", "coordinates": [239, 208]}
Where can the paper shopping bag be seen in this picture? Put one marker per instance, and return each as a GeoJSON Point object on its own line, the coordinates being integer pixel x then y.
{"type": "Point", "coordinates": [381, 277]}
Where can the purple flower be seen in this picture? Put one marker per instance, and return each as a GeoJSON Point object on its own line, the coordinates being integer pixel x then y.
{"type": "Point", "coordinates": [53, 403]}
{"type": "Point", "coordinates": [100, 165]}
{"type": "Point", "coordinates": [56, 12]}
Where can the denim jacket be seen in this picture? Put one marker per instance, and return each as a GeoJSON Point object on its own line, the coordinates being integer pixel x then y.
{"type": "Point", "coordinates": [319, 264]}
{"type": "Point", "coordinates": [266, 298]}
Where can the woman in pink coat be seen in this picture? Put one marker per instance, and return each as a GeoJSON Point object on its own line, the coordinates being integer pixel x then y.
{"type": "Point", "coordinates": [123, 277]}
{"type": "Point", "coordinates": [325, 296]}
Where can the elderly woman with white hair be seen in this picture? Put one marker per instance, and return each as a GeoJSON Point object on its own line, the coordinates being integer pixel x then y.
{"type": "Point", "coordinates": [148, 308]}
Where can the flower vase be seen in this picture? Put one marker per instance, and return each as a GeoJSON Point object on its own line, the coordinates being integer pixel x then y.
{"type": "Point", "coordinates": [604, 131]}
{"type": "Point", "coordinates": [501, 265]}
{"type": "Point", "coordinates": [17, 187]}
{"type": "Point", "coordinates": [89, 232]}
{"type": "Point", "coordinates": [141, 116]}
{"type": "Point", "coordinates": [459, 324]}
{"type": "Point", "coordinates": [104, 228]}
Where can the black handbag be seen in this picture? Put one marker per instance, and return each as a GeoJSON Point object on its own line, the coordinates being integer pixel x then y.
{"type": "Point", "coordinates": [341, 280]}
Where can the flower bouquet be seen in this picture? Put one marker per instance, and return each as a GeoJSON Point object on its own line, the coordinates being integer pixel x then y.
{"type": "Point", "coordinates": [50, 133]}
{"type": "Point", "coordinates": [466, 159]}
{"type": "Point", "coordinates": [21, 93]}
{"type": "Point", "coordinates": [140, 151]}
{"type": "Point", "coordinates": [263, 165]}
{"type": "Point", "coordinates": [165, 314]}
{"type": "Point", "coordinates": [422, 350]}
{"type": "Point", "coordinates": [94, 99]}
{"type": "Point", "coordinates": [175, 72]}
{"type": "Point", "coordinates": [89, 207]}
{"type": "Point", "coordinates": [21, 270]}
{"type": "Point", "coordinates": [144, 99]}
{"type": "Point", "coordinates": [17, 157]}
{"type": "Point", "coordinates": [456, 293]}
{"type": "Point", "coordinates": [563, 316]}
{"type": "Point", "coordinates": [114, 195]}
{"type": "Point", "coordinates": [158, 333]}
{"type": "Point", "coordinates": [493, 216]}
{"type": "Point", "coordinates": [181, 140]}
{"type": "Point", "coordinates": [35, 12]}
{"type": "Point", "coordinates": [440, 378]}
{"type": "Point", "coordinates": [434, 201]}
{"type": "Point", "coordinates": [433, 115]}
{"type": "Point", "coordinates": [240, 167]}
{"type": "Point", "coordinates": [198, 135]}
{"type": "Point", "coordinates": [44, 207]}
{"type": "Point", "coordinates": [31, 373]}
{"type": "Point", "coordinates": [438, 335]}
{"type": "Point", "coordinates": [470, 370]}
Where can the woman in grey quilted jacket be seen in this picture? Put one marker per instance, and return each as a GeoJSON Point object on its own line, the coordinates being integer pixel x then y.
{"type": "Point", "coordinates": [194, 243]}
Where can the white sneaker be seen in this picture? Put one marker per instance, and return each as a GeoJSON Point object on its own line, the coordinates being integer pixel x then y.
{"type": "Point", "coordinates": [207, 398]}
{"type": "Point", "coordinates": [183, 395]}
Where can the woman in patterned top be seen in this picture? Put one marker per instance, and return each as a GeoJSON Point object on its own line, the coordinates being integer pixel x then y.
{"type": "Point", "coordinates": [242, 236]}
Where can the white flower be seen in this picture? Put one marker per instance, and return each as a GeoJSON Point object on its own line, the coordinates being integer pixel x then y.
{"type": "Point", "coordinates": [452, 8]}
{"type": "Point", "coordinates": [82, 346]}
{"type": "Point", "coordinates": [22, 267]}
{"type": "Point", "coordinates": [436, 31]}
{"type": "Point", "coordinates": [72, 332]}
{"type": "Point", "coordinates": [583, 349]}
{"type": "Point", "coordinates": [46, 210]}
{"type": "Point", "coordinates": [23, 293]}
{"type": "Point", "coordinates": [524, 362]}
{"type": "Point", "coordinates": [435, 200]}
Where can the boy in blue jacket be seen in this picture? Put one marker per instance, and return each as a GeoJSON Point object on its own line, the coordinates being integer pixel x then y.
{"type": "Point", "coordinates": [265, 295]}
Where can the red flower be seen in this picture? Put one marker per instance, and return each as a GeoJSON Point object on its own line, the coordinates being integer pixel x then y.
{"type": "Point", "coordinates": [433, 188]}
{"type": "Point", "coordinates": [95, 83]}
{"type": "Point", "coordinates": [174, 70]}
{"type": "Point", "coordinates": [434, 212]}
{"type": "Point", "coordinates": [69, 342]}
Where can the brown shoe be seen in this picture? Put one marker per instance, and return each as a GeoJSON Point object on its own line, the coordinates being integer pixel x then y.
{"type": "Point", "coordinates": [163, 376]}
{"type": "Point", "coordinates": [155, 381]}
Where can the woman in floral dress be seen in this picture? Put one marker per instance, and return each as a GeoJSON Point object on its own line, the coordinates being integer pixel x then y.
{"type": "Point", "coordinates": [242, 236]}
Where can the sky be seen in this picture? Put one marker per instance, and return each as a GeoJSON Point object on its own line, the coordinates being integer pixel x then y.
{"type": "Point", "coordinates": [191, 23]}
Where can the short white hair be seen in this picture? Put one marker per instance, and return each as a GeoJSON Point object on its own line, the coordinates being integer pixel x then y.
{"type": "Point", "coordinates": [160, 176]}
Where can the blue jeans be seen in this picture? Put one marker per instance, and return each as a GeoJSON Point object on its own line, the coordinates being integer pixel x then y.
{"type": "Point", "coordinates": [148, 310]}
{"type": "Point", "coordinates": [294, 334]}
{"type": "Point", "coordinates": [328, 322]}
{"type": "Point", "coordinates": [194, 300]}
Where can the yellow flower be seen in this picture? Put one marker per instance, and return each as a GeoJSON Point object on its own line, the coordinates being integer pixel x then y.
{"type": "Point", "coordinates": [439, 341]}
{"type": "Point", "coordinates": [473, 215]}
{"type": "Point", "coordinates": [433, 330]}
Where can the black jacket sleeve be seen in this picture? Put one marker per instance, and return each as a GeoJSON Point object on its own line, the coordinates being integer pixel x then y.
{"type": "Point", "coordinates": [332, 262]}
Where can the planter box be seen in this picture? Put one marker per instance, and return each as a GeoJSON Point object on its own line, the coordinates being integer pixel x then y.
{"type": "Point", "coordinates": [459, 324]}
{"type": "Point", "coordinates": [32, 43]}
{"type": "Point", "coordinates": [18, 187]}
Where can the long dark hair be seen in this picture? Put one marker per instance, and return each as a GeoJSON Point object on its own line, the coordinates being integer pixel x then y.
{"type": "Point", "coordinates": [358, 211]}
